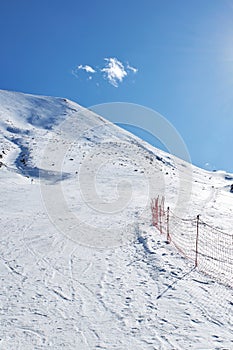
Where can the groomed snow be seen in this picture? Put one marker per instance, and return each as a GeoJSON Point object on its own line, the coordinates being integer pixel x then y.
{"type": "Point", "coordinates": [81, 266]}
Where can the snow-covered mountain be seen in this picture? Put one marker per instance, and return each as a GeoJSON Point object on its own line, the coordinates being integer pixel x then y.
{"type": "Point", "coordinates": [81, 265]}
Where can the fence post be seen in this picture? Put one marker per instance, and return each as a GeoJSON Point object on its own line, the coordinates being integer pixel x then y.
{"type": "Point", "coordinates": [197, 238]}
{"type": "Point", "coordinates": [168, 233]}
{"type": "Point", "coordinates": [160, 218]}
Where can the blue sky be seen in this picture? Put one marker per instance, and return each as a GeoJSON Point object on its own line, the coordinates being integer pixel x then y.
{"type": "Point", "coordinates": [183, 51]}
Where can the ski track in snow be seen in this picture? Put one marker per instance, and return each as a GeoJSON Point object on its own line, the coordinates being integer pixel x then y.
{"type": "Point", "coordinates": [57, 294]}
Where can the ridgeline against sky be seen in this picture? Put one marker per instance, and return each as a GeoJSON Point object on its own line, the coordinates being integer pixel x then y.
{"type": "Point", "coordinates": [175, 57]}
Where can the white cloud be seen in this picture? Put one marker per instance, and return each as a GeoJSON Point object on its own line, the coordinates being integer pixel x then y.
{"type": "Point", "coordinates": [87, 68]}
{"type": "Point", "coordinates": [133, 69]}
{"type": "Point", "coordinates": [114, 71]}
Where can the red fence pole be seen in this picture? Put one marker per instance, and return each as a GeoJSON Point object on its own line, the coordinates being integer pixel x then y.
{"type": "Point", "coordinates": [160, 219]}
{"type": "Point", "coordinates": [197, 237]}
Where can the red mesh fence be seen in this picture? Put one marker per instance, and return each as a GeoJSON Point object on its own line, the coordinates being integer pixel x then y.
{"type": "Point", "coordinates": [210, 249]}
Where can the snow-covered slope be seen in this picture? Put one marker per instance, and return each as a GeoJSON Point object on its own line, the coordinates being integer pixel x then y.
{"type": "Point", "coordinates": [81, 266]}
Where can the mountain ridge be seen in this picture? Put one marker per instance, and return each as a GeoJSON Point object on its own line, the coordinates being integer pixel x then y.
{"type": "Point", "coordinates": [81, 265]}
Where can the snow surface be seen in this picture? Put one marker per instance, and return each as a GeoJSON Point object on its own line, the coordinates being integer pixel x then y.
{"type": "Point", "coordinates": [81, 266]}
